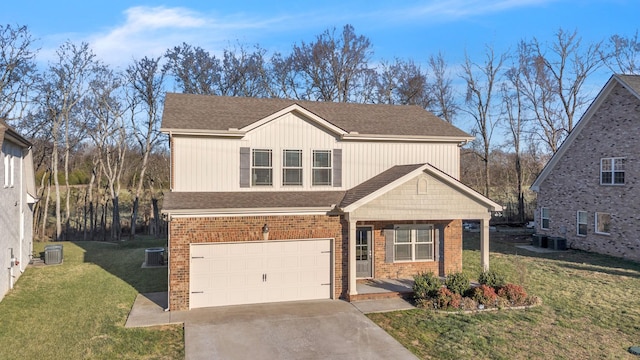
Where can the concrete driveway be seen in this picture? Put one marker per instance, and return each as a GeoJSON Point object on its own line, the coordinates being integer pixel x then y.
{"type": "Point", "coordinates": [323, 329]}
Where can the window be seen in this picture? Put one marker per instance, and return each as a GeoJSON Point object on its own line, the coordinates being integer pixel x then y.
{"type": "Point", "coordinates": [9, 166]}
{"type": "Point", "coordinates": [582, 223]}
{"type": "Point", "coordinates": [603, 223]}
{"type": "Point", "coordinates": [6, 170]}
{"type": "Point", "coordinates": [612, 171]}
{"type": "Point", "coordinates": [544, 216]}
{"type": "Point", "coordinates": [261, 170]}
{"type": "Point", "coordinates": [321, 167]}
{"type": "Point", "coordinates": [413, 244]}
{"type": "Point", "coordinates": [292, 167]}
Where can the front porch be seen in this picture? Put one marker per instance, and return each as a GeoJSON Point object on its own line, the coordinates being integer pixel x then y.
{"type": "Point", "coordinates": [373, 289]}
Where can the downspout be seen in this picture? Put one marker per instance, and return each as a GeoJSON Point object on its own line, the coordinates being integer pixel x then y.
{"type": "Point", "coordinates": [168, 262]}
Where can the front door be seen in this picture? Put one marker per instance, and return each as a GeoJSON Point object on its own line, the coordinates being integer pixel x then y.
{"type": "Point", "coordinates": [363, 252]}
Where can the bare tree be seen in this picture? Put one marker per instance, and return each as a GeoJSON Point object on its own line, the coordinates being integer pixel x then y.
{"type": "Point", "coordinates": [554, 82]}
{"type": "Point", "coordinates": [244, 73]}
{"type": "Point", "coordinates": [146, 80]}
{"type": "Point", "coordinates": [17, 70]}
{"type": "Point", "coordinates": [63, 87]}
{"type": "Point", "coordinates": [108, 132]}
{"type": "Point", "coordinates": [481, 81]}
{"type": "Point", "coordinates": [443, 102]}
{"type": "Point", "coordinates": [512, 100]}
{"type": "Point", "coordinates": [403, 82]}
{"type": "Point", "coordinates": [622, 54]}
{"type": "Point", "coordinates": [194, 69]}
{"type": "Point", "coordinates": [334, 66]}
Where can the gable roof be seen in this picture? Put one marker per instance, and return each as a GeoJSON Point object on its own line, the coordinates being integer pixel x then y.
{"type": "Point", "coordinates": [629, 82]}
{"type": "Point", "coordinates": [398, 175]}
{"type": "Point", "coordinates": [8, 132]}
{"type": "Point", "coordinates": [207, 113]}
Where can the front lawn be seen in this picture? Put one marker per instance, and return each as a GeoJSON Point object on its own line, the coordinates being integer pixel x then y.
{"type": "Point", "coordinates": [590, 309]}
{"type": "Point", "coordinates": [77, 310]}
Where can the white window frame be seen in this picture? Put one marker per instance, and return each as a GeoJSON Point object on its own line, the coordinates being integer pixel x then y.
{"type": "Point", "coordinates": [326, 168]}
{"type": "Point", "coordinates": [544, 210]}
{"type": "Point", "coordinates": [583, 222]}
{"type": "Point", "coordinates": [612, 166]}
{"type": "Point", "coordinates": [286, 167]}
{"type": "Point", "coordinates": [414, 242]}
{"type": "Point", "coordinates": [255, 167]}
{"type": "Point", "coordinates": [605, 231]}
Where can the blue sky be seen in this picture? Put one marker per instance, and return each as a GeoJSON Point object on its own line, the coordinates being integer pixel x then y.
{"type": "Point", "coordinates": [121, 30]}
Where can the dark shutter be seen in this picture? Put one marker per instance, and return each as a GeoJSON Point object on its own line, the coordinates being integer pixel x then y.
{"type": "Point", "coordinates": [245, 167]}
{"type": "Point", "coordinates": [389, 235]}
{"type": "Point", "coordinates": [337, 167]}
{"type": "Point", "coordinates": [439, 242]}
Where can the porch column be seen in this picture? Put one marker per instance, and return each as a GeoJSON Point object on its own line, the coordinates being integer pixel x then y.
{"type": "Point", "coordinates": [484, 243]}
{"type": "Point", "coordinates": [352, 256]}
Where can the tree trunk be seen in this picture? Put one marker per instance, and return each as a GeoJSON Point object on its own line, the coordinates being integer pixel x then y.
{"type": "Point", "coordinates": [116, 230]}
{"type": "Point", "coordinates": [156, 217]}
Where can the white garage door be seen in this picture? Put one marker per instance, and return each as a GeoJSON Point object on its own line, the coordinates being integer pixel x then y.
{"type": "Point", "coordinates": [257, 272]}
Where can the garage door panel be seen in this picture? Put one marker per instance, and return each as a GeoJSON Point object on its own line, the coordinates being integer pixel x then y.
{"type": "Point", "coordinates": [254, 272]}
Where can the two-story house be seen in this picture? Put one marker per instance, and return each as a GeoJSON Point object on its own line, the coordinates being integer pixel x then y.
{"type": "Point", "coordinates": [588, 191]}
{"type": "Point", "coordinates": [278, 200]}
{"type": "Point", "coordinates": [17, 196]}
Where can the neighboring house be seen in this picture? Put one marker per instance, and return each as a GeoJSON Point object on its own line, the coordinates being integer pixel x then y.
{"type": "Point", "coordinates": [588, 192]}
{"type": "Point", "coordinates": [277, 200]}
{"type": "Point", "coordinates": [17, 196]}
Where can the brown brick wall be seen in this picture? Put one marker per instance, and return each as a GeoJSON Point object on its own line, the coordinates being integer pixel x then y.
{"type": "Point", "coordinates": [185, 231]}
{"type": "Point", "coordinates": [574, 183]}
{"type": "Point", "coordinates": [451, 262]}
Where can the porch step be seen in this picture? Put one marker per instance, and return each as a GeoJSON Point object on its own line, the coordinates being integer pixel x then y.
{"type": "Point", "coordinates": [382, 295]}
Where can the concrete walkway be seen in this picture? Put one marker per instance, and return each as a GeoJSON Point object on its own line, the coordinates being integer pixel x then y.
{"type": "Point", "coordinates": [322, 329]}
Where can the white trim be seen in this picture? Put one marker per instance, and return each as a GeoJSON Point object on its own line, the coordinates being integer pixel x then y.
{"type": "Point", "coordinates": [595, 225]}
{"type": "Point", "coordinates": [586, 223]}
{"type": "Point", "coordinates": [233, 133]}
{"type": "Point", "coordinates": [184, 213]}
{"type": "Point", "coordinates": [429, 169]}
{"type": "Point", "coordinates": [410, 138]}
{"type": "Point", "coordinates": [413, 241]}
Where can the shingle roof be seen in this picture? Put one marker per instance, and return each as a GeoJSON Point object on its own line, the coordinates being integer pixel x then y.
{"type": "Point", "coordinates": [206, 112]}
{"type": "Point", "coordinates": [377, 182]}
{"type": "Point", "coordinates": [633, 81]}
{"type": "Point", "coordinates": [250, 200]}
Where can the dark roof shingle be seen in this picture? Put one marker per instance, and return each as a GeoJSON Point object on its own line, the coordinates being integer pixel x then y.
{"type": "Point", "coordinates": [250, 200]}
{"type": "Point", "coordinates": [206, 112]}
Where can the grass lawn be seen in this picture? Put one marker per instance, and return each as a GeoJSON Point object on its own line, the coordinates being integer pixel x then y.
{"type": "Point", "coordinates": [591, 309]}
{"type": "Point", "coordinates": [77, 310]}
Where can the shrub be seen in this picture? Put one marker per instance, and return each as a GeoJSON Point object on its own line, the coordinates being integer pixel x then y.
{"type": "Point", "coordinates": [468, 304]}
{"type": "Point", "coordinates": [514, 293]}
{"type": "Point", "coordinates": [485, 295]}
{"type": "Point", "coordinates": [448, 299]}
{"type": "Point", "coordinates": [491, 278]}
{"type": "Point", "coordinates": [458, 283]}
{"type": "Point", "coordinates": [426, 285]}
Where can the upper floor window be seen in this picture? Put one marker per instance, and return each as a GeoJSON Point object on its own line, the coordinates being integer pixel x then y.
{"type": "Point", "coordinates": [292, 167]}
{"type": "Point", "coordinates": [413, 244]}
{"type": "Point", "coordinates": [321, 169]}
{"type": "Point", "coordinates": [603, 223]}
{"type": "Point", "coordinates": [581, 220]}
{"type": "Point", "coordinates": [544, 218]}
{"type": "Point", "coordinates": [612, 171]}
{"type": "Point", "coordinates": [261, 167]}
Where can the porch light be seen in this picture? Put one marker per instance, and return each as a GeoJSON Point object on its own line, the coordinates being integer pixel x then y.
{"type": "Point", "coordinates": [265, 232]}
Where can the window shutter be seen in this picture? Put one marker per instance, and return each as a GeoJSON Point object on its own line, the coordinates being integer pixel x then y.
{"type": "Point", "coordinates": [245, 167]}
{"type": "Point", "coordinates": [337, 167]}
{"type": "Point", "coordinates": [439, 241]}
{"type": "Point", "coordinates": [388, 245]}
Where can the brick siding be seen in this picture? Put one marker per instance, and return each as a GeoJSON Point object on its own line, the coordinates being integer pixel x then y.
{"type": "Point", "coordinates": [185, 231]}
{"type": "Point", "coordinates": [574, 183]}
